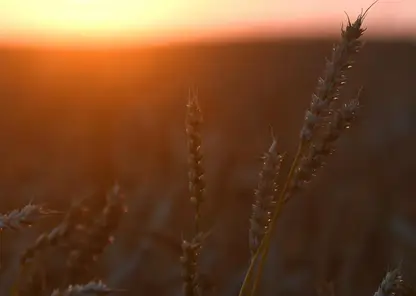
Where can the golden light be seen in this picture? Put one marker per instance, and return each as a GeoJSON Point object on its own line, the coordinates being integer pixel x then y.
{"type": "Point", "coordinates": [95, 18]}
{"type": "Point", "coordinates": [119, 21]}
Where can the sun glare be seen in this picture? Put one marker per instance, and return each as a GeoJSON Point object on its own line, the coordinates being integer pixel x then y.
{"type": "Point", "coordinates": [91, 17]}
{"type": "Point", "coordinates": [115, 22]}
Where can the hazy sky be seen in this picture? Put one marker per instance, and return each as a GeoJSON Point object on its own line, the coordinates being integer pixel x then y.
{"type": "Point", "coordinates": [60, 20]}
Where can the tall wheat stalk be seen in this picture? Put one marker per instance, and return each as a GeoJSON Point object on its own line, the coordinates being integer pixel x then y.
{"type": "Point", "coordinates": [191, 249]}
{"type": "Point", "coordinates": [323, 124]}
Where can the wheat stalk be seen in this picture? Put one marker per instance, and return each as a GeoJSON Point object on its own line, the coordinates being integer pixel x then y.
{"type": "Point", "coordinates": [195, 168]}
{"type": "Point", "coordinates": [86, 249]}
{"type": "Point", "coordinates": [321, 110]}
{"type": "Point", "coordinates": [82, 235]}
{"type": "Point", "coordinates": [191, 249]}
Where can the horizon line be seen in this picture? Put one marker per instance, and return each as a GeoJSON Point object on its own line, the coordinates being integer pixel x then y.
{"type": "Point", "coordinates": [177, 37]}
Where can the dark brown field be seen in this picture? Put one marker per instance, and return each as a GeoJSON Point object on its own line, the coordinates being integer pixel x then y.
{"type": "Point", "coordinates": [72, 122]}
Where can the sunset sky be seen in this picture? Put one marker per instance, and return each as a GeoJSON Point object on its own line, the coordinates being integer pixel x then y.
{"type": "Point", "coordinates": [120, 21]}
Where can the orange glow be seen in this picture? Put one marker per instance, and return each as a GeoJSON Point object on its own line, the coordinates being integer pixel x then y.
{"type": "Point", "coordinates": [83, 21]}
{"type": "Point", "coordinates": [90, 15]}
{"type": "Point", "coordinates": [63, 19]}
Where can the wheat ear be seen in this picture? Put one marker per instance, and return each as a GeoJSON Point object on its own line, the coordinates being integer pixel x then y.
{"type": "Point", "coordinates": [392, 284]}
{"type": "Point", "coordinates": [21, 218]}
{"type": "Point", "coordinates": [90, 289]}
{"type": "Point", "coordinates": [191, 249]}
{"type": "Point", "coordinates": [264, 195]}
{"type": "Point", "coordinates": [86, 249]}
{"type": "Point", "coordinates": [24, 217]}
{"type": "Point", "coordinates": [321, 106]}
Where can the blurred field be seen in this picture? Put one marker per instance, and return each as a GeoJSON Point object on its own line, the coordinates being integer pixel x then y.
{"type": "Point", "coordinates": [71, 122]}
